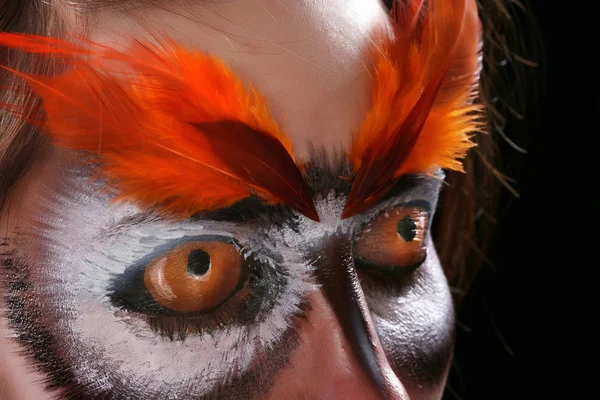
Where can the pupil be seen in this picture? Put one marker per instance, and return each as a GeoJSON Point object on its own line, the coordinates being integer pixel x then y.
{"type": "Point", "coordinates": [407, 228]}
{"type": "Point", "coordinates": [198, 262]}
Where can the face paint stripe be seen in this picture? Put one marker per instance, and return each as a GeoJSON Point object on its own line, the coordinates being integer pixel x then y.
{"type": "Point", "coordinates": [335, 271]}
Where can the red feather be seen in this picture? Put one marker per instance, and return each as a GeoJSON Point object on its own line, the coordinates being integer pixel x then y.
{"type": "Point", "coordinates": [422, 111]}
{"type": "Point", "coordinates": [261, 161]}
{"type": "Point", "coordinates": [175, 129]}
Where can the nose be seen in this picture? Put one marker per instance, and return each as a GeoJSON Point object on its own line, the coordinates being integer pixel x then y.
{"type": "Point", "coordinates": [339, 355]}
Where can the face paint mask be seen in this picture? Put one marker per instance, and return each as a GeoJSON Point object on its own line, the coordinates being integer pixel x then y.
{"type": "Point", "coordinates": [172, 131]}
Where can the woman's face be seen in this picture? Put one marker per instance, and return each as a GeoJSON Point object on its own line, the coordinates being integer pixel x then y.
{"type": "Point", "coordinates": [303, 312]}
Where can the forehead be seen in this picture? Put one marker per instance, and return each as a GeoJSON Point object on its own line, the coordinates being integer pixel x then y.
{"type": "Point", "coordinates": [306, 57]}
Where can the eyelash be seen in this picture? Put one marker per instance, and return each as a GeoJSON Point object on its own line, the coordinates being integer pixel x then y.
{"type": "Point", "coordinates": [391, 204]}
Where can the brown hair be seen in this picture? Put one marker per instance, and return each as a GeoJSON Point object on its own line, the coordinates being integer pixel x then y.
{"type": "Point", "coordinates": [464, 226]}
{"type": "Point", "coordinates": [464, 223]}
{"type": "Point", "coordinates": [20, 143]}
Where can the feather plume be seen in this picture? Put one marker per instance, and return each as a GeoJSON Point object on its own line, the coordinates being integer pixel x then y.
{"type": "Point", "coordinates": [422, 111]}
{"type": "Point", "coordinates": [173, 128]}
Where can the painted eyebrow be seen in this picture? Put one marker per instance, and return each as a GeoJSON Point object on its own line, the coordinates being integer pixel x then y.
{"type": "Point", "coordinates": [244, 211]}
{"type": "Point", "coordinates": [252, 209]}
{"type": "Point", "coordinates": [247, 210]}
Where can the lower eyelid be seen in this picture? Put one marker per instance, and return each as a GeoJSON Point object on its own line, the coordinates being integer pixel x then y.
{"type": "Point", "coordinates": [179, 327]}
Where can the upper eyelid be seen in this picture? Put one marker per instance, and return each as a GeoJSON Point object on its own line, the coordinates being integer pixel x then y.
{"type": "Point", "coordinates": [382, 208]}
{"type": "Point", "coordinates": [172, 244]}
{"type": "Point", "coordinates": [163, 241]}
{"type": "Point", "coordinates": [415, 194]}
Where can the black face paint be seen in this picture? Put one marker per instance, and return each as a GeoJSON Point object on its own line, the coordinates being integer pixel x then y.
{"type": "Point", "coordinates": [335, 271]}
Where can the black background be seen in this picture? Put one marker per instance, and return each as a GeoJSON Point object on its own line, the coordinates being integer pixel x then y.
{"type": "Point", "coordinates": [527, 326]}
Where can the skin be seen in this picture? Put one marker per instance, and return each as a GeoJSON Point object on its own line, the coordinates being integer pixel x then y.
{"type": "Point", "coordinates": [352, 334]}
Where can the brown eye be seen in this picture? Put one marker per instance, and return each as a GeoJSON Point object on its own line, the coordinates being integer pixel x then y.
{"type": "Point", "coordinates": [194, 276]}
{"type": "Point", "coordinates": [393, 239]}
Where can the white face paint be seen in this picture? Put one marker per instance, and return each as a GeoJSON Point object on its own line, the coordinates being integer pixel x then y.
{"type": "Point", "coordinates": [83, 247]}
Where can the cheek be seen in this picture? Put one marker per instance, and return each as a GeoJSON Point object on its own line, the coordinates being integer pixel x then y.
{"type": "Point", "coordinates": [414, 322]}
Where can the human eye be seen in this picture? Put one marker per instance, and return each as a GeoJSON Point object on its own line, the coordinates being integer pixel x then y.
{"type": "Point", "coordinates": [394, 242]}
{"type": "Point", "coordinates": [190, 286]}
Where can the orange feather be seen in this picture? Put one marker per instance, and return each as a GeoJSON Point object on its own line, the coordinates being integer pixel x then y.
{"type": "Point", "coordinates": [173, 128]}
{"type": "Point", "coordinates": [422, 112]}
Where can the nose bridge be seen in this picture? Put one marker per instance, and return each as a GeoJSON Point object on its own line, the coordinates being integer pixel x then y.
{"type": "Point", "coordinates": [336, 273]}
